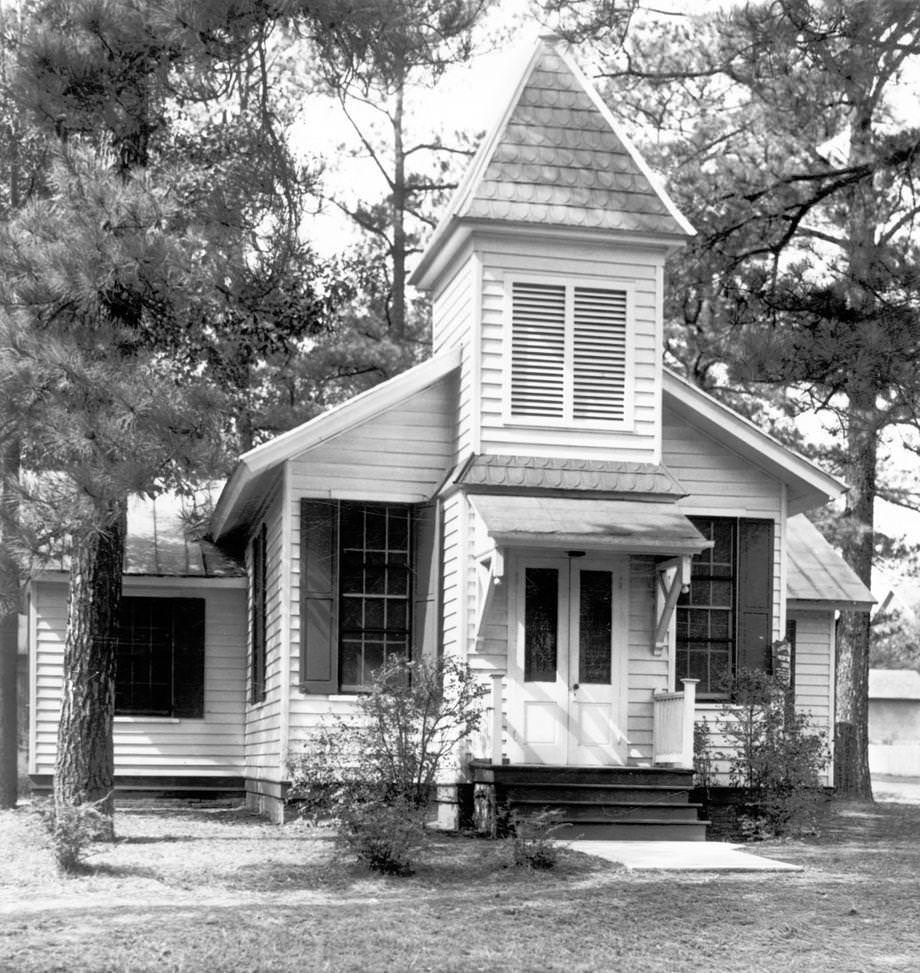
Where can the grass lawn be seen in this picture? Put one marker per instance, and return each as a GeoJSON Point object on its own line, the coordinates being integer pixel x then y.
{"type": "Point", "coordinates": [221, 890]}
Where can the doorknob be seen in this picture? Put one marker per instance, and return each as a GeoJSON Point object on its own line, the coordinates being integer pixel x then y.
{"type": "Point", "coordinates": [575, 687]}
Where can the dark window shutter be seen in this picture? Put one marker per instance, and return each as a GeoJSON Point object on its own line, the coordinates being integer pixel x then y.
{"type": "Point", "coordinates": [755, 594]}
{"type": "Point", "coordinates": [318, 543]}
{"type": "Point", "coordinates": [425, 561]}
{"type": "Point", "coordinates": [188, 657]}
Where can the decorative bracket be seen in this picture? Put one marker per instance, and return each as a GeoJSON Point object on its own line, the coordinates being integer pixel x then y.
{"type": "Point", "coordinates": [673, 578]}
{"type": "Point", "coordinates": [490, 572]}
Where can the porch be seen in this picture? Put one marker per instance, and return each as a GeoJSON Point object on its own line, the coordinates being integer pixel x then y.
{"type": "Point", "coordinates": [613, 801]}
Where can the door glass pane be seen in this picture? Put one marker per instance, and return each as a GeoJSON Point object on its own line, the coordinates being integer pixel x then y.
{"type": "Point", "coordinates": [541, 624]}
{"type": "Point", "coordinates": [595, 622]}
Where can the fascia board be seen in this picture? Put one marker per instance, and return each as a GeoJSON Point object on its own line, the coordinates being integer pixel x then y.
{"type": "Point", "coordinates": [827, 604]}
{"type": "Point", "coordinates": [334, 422]}
{"type": "Point", "coordinates": [723, 422]}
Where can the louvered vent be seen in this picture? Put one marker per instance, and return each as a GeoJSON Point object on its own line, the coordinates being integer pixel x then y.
{"type": "Point", "coordinates": [537, 350]}
{"type": "Point", "coordinates": [599, 391]}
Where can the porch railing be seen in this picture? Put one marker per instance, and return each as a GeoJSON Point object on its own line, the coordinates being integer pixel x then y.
{"type": "Point", "coordinates": [673, 726]}
{"type": "Point", "coordinates": [488, 742]}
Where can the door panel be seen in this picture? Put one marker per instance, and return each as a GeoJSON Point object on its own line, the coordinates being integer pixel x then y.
{"type": "Point", "coordinates": [567, 666]}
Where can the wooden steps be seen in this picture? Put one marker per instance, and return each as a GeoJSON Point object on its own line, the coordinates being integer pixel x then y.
{"type": "Point", "coordinates": [598, 803]}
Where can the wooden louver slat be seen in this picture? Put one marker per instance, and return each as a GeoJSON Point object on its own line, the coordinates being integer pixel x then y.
{"type": "Point", "coordinates": [599, 386]}
{"type": "Point", "coordinates": [538, 350]}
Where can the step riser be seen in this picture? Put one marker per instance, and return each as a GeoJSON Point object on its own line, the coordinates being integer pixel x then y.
{"type": "Point", "coordinates": [594, 812]}
{"type": "Point", "coordinates": [588, 775]}
{"type": "Point", "coordinates": [598, 795]}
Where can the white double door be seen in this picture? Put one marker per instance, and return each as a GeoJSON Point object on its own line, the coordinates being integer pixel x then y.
{"type": "Point", "coordinates": [568, 660]}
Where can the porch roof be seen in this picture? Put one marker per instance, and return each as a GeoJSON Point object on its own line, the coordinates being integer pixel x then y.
{"type": "Point", "coordinates": [595, 524]}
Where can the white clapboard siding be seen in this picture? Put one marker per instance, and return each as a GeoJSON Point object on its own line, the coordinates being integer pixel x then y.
{"type": "Point", "coordinates": [452, 324]}
{"type": "Point", "coordinates": [400, 456]}
{"type": "Point", "coordinates": [814, 674]}
{"type": "Point", "coordinates": [147, 745]}
{"type": "Point", "coordinates": [647, 672]}
{"type": "Point", "coordinates": [263, 719]}
{"type": "Point", "coordinates": [720, 483]}
{"type": "Point", "coordinates": [616, 268]}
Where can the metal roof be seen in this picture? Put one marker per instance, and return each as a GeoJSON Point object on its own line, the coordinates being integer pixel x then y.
{"type": "Point", "coordinates": [584, 523]}
{"type": "Point", "coordinates": [159, 542]}
{"type": "Point", "coordinates": [548, 473]}
{"type": "Point", "coordinates": [817, 573]}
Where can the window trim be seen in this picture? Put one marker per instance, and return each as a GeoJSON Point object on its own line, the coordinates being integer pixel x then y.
{"type": "Point", "coordinates": [567, 420]}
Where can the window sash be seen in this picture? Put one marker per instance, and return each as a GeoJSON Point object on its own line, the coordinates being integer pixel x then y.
{"type": "Point", "coordinates": [375, 589]}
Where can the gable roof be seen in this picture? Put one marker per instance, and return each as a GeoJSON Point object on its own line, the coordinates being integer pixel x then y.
{"type": "Point", "coordinates": [807, 485]}
{"type": "Point", "coordinates": [817, 573]}
{"type": "Point", "coordinates": [557, 157]}
{"type": "Point", "coordinates": [255, 469]}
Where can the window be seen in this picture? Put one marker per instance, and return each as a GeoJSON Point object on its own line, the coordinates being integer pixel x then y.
{"type": "Point", "coordinates": [724, 622]}
{"type": "Point", "coordinates": [258, 617]}
{"type": "Point", "coordinates": [374, 589]}
{"type": "Point", "coordinates": [569, 355]}
{"type": "Point", "coordinates": [369, 587]}
{"type": "Point", "coordinates": [159, 658]}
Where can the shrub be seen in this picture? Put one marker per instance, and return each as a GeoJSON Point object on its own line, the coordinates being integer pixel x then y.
{"type": "Point", "coordinates": [374, 772]}
{"type": "Point", "coordinates": [533, 840]}
{"type": "Point", "coordinates": [73, 828]}
{"type": "Point", "coordinates": [774, 754]}
{"type": "Point", "coordinates": [703, 759]}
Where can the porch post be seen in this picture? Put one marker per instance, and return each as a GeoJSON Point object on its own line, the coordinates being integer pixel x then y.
{"type": "Point", "coordinates": [689, 718]}
{"type": "Point", "coordinates": [497, 717]}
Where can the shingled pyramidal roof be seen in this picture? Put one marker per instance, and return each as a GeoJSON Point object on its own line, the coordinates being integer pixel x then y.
{"type": "Point", "coordinates": [557, 157]}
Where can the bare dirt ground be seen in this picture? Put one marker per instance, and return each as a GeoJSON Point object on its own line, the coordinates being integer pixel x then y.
{"type": "Point", "coordinates": [223, 891]}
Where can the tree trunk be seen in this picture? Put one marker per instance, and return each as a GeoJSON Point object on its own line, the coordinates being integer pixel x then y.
{"type": "Point", "coordinates": [398, 209]}
{"type": "Point", "coordinates": [10, 584]}
{"type": "Point", "coordinates": [851, 737]}
{"type": "Point", "coordinates": [84, 771]}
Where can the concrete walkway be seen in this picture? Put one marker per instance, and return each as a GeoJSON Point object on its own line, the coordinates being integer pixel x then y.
{"type": "Point", "coordinates": [681, 856]}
